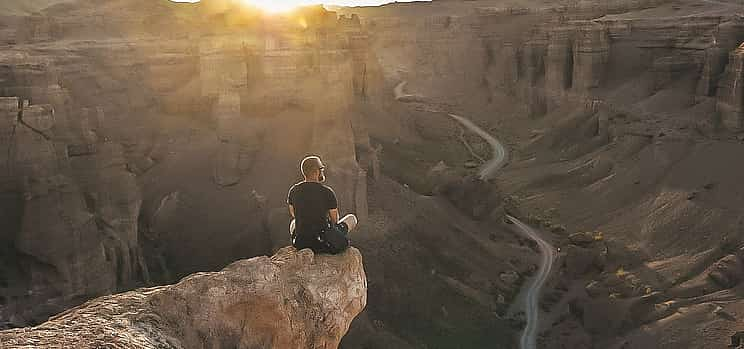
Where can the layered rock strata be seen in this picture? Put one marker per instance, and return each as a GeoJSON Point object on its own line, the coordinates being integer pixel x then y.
{"type": "Point", "coordinates": [730, 94]}
{"type": "Point", "coordinates": [318, 70]}
{"type": "Point", "coordinates": [147, 131]}
{"type": "Point", "coordinates": [91, 220]}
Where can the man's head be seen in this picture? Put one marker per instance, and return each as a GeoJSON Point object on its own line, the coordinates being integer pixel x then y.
{"type": "Point", "coordinates": [312, 169]}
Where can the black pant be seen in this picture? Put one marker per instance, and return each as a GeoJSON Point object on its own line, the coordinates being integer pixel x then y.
{"type": "Point", "coordinates": [314, 242]}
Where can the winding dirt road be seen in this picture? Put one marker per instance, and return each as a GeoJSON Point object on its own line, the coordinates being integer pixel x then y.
{"type": "Point", "coordinates": [402, 96]}
{"type": "Point", "coordinates": [548, 254]}
{"type": "Point", "coordinates": [500, 156]}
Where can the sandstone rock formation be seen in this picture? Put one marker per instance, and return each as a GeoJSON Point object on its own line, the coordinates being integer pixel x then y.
{"type": "Point", "coordinates": [93, 223]}
{"type": "Point", "coordinates": [294, 299]}
{"type": "Point", "coordinates": [140, 111]}
{"type": "Point", "coordinates": [728, 271]}
{"type": "Point", "coordinates": [730, 93]}
{"type": "Point", "coordinates": [591, 53]}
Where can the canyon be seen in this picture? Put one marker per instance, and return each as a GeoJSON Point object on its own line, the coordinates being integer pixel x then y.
{"type": "Point", "coordinates": [142, 142]}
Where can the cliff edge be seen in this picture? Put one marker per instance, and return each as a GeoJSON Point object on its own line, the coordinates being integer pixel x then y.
{"type": "Point", "coordinates": [294, 299]}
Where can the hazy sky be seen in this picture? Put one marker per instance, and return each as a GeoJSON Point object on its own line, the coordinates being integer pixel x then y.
{"type": "Point", "coordinates": [327, 2]}
{"type": "Point", "coordinates": [284, 5]}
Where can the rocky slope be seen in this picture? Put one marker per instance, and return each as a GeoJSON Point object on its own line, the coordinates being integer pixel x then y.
{"type": "Point", "coordinates": [623, 121]}
{"type": "Point", "coordinates": [294, 299]}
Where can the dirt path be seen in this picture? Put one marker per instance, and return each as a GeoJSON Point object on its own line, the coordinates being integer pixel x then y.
{"type": "Point", "coordinates": [398, 90]}
{"type": "Point", "coordinates": [548, 254]}
{"type": "Point", "coordinates": [402, 96]}
{"type": "Point", "coordinates": [500, 156]}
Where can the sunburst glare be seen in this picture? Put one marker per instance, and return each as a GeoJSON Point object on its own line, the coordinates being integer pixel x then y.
{"type": "Point", "coordinates": [278, 6]}
{"type": "Point", "coordinates": [274, 6]}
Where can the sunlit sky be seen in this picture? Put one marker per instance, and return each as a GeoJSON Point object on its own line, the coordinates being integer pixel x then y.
{"type": "Point", "coordinates": [285, 5]}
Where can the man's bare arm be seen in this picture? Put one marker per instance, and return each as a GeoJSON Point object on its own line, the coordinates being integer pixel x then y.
{"type": "Point", "coordinates": [291, 211]}
{"type": "Point", "coordinates": [333, 215]}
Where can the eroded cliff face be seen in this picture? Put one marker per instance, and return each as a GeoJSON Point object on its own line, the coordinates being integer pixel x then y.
{"type": "Point", "coordinates": [294, 299]}
{"type": "Point", "coordinates": [730, 94]}
{"type": "Point", "coordinates": [75, 238]}
{"type": "Point", "coordinates": [142, 140]}
{"type": "Point", "coordinates": [555, 56]}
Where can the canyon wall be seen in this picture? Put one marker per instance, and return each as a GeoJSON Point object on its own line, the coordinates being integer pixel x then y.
{"type": "Point", "coordinates": [574, 60]}
{"type": "Point", "coordinates": [140, 147]}
{"type": "Point", "coordinates": [93, 223]}
{"type": "Point", "coordinates": [730, 93]}
{"type": "Point", "coordinates": [555, 56]}
{"type": "Point", "coordinates": [304, 66]}
{"type": "Point", "coordinates": [598, 108]}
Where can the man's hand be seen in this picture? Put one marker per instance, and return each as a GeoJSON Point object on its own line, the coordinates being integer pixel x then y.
{"type": "Point", "coordinates": [333, 215]}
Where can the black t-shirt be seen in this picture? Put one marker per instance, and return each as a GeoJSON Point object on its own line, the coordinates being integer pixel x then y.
{"type": "Point", "coordinates": [311, 202]}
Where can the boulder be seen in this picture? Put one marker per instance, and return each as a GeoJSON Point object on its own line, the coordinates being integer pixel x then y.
{"type": "Point", "coordinates": [581, 239]}
{"type": "Point", "coordinates": [596, 289]}
{"type": "Point", "coordinates": [294, 299]}
{"type": "Point", "coordinates": [441, 174]}
{"type": "Point", "coordinates": [510, 277]}
{"type": "Point", "coordinates": [727, 272]}
{"type": "Point", "coordinates": [438, 169]}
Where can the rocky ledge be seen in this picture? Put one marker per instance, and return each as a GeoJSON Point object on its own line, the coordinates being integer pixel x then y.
{"type": "Point", "coordinates": [294, 299]}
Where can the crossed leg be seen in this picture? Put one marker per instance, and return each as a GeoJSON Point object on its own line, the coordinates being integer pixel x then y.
{"type": "Point", "coordinates": [350, 220]}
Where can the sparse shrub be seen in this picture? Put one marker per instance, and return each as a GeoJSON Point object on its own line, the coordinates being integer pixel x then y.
{"type": "Point", "coordinates": [729, 244]}
{"type": "Point", "coordinates": [621, 273]}
{"type": "Point", "coordinates": [558, 229]}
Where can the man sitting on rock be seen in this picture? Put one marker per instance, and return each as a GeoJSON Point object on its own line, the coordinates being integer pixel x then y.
{"type": "Point", "coordinates": [314, 207]}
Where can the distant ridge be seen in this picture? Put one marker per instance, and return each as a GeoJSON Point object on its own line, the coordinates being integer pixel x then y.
{"type": "Point", "coordinates": [25, 7]}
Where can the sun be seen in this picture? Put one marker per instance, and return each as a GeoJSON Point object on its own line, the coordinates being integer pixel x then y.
{"type": "Point", "coordinates": [278, 6]}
